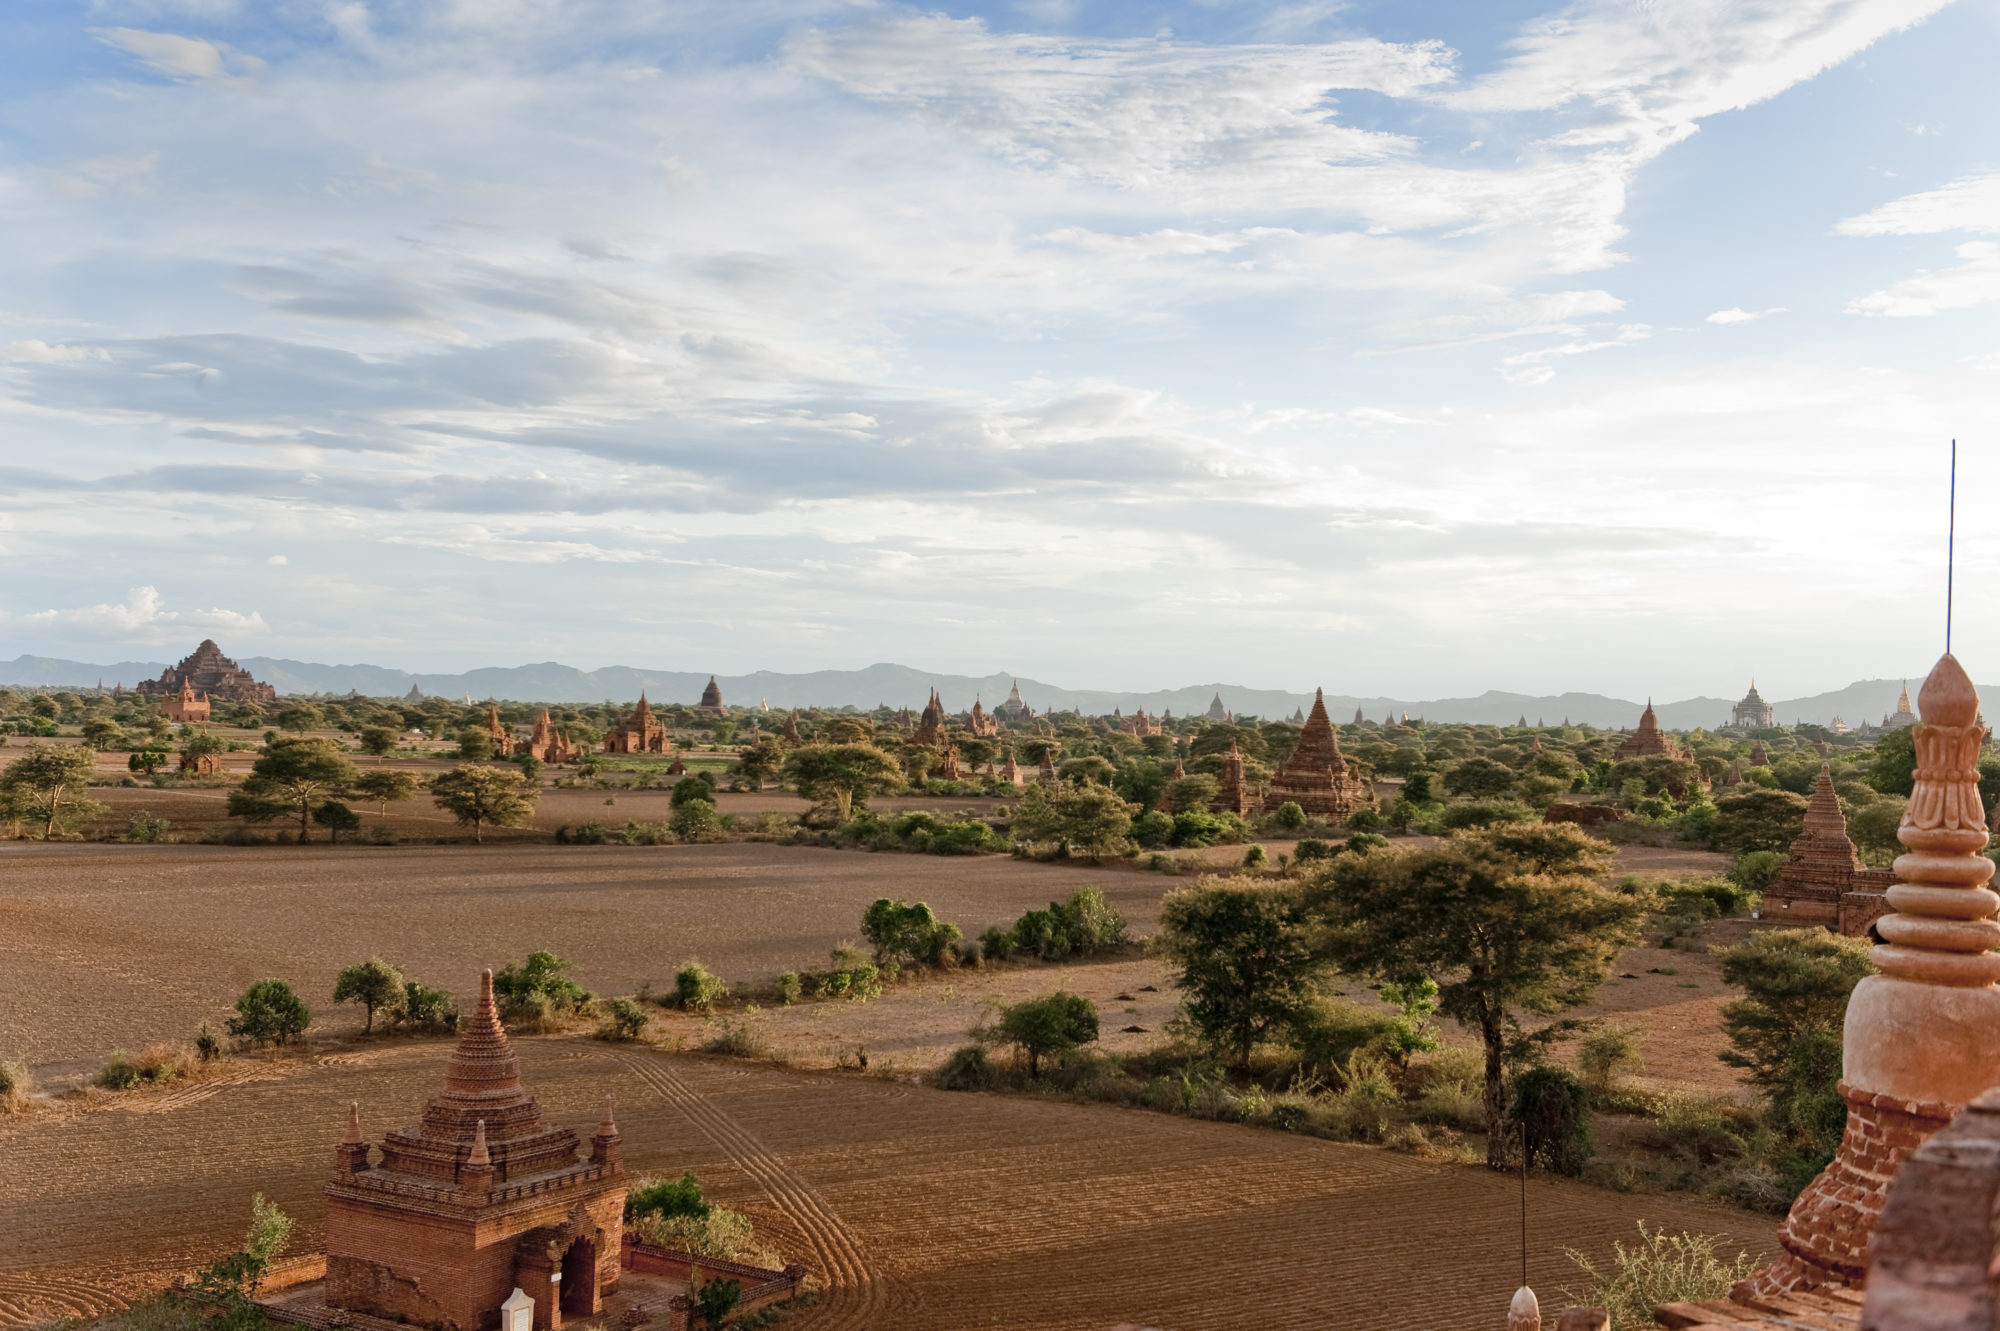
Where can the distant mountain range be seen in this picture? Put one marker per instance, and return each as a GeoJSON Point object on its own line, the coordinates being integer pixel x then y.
{"type": "Point", "coordinates": [902, 686]}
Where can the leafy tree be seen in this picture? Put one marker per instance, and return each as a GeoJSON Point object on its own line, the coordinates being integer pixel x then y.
{"type": "Point", "coordinates": [147, 760]}
{"type": "Point", "coordinates": [373, 983]}
{"type": "Point", "coordinates": [299, 716]}
{"type": "Point", "coordinates": [530, 765]}
{"type": "Point", "coordinates": [1242, 953]}
{"type": "Point", "coordinates": [476, 796]}
{"type": "Point", "coordinates": [1551, 1112]}
{"type": "Point", "coordinates": [840, 777]}
{"type": "Point", "coordinates": [1479, 778]}
{"type": "Point", "coordinates": [1191, 794]}
{"type": "Point", "coordinates": [538, 986]}
{"type": "Point", "coordinates": [1419, 787]}
{"type": "Point", "coordinates": [1797, 772]}
{"type": "Point", "coordinates": [1657, 774]}
{"type": "Point", "coordinates": [292, 776]}
{"type": "Point", "coordinates": [270, 1013]}
{"type": "Point", "coordinates": [49, 782]}
{"type": "Point", "coordinates": [1089, 769]}
{"type": "Point", "coordinates": [1892, 769]}
{"type": "Point", "coordinates": [696, 787]}
{"type": "Point", "coordinates": [336, 818]}
{"type": "Point", "coordinates": [1091, 820]}
{"type": "Point", "coordinates": [1759, 820]}
{"type": "Point", "coordinates": [762, 761]}
{"type": "Point", "coordinates": [383, 786]}
{"type": "Point", "coordinates": [1505, 920]}
{"type": "Point", "coordinates": [1289, 816]}
{"type": "Point", "coordinates": [196, 747]}
{"type": "Point", "coordinates": [1873, 826]}
{"type": "Point", "coordinates": [911, 934]}
{"type": "Point", "coordinates": [377, 740]}
{"type": "Point", "coordinates": [1795, 982]}
{"type": "Point", "coordinates": [1057, 1024]}
{"type": "Point", "coordinates": [102, 735]}
{"type": "Point", "coordinates": [1217, 738]}
{"type": "Point", "coordinates": [474, 745]}
{"type": "Point", "coordinates": [695, 820]}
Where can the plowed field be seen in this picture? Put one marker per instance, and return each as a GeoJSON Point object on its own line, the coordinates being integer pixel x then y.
{"type": "Point", "coordinates": [110, 946]}
{"type": "Point", "coordinates": [918, 1208]}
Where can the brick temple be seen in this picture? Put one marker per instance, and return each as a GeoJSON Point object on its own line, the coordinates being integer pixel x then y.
{"type": "Point", "coordinates": [207, 671]}
{"type": "Point", "coordinates": [642, 732]}
{"type": "Point", "coordinates": [1316, 777]}
{"type": "Point", "coordinates": [478, 1199]}
{"type": "Point", "coordinates": [187, 707]}
{"type": "Point", "coordinates": [1648, 740]}
{"type": "Point", "coordinates": [1822, 882]}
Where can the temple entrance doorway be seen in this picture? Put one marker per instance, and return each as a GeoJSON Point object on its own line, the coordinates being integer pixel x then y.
{"type": "Point", "coordinates": [579, 1278]}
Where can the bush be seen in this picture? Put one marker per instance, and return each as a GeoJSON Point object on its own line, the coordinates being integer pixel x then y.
{"type": "Point", "coordinates": [1153, 829]}
{"type": "Point", "coordinates": [1756, 870]}
{"type": "Point", "coordinates": [269, 1013]}
{"type": "Point", "coordinates": [1366, 820]}
{"type": "Point", "coordinates": [1311, 848]}
{"type": "Point", "coordinates": [1551, 1112]}
{"type": "Point", "coordinates": [997, 942]}
{"type": "Point", "coordinates": [584, 834]}
{"type": "Point", "coordinates": [1453, 1091]}
{"type": "Point", "coordinates": [538, 990]}
{"type": "Point", "coordinates": [1289, 817]}
{"type": "Point", "coordinates": [233, 1281]}
{"type": "Point", "coordinates": [1660, 1268]}
{"type": "Point", "coordinates": [737, 1039]}
{"type": "Point", "coordinates": [668, 1199]}
{"type": "Point", "coordinates": [424, 1009]}
{"type": "Point", "coordinates": [789, 988]}
{"type": "Point", "coordinates": [1608, 1051]}
{"type": "Point", "coordinates": [1364, 1106]}
{"type": "Point", "coordinates": [1254, 857]}
{"type": "Point", "coordinates": [909, 934]}
{"type": "Point", "coordinates": [144, 826]}
{"type": "Point", "coordinates": [968, 1069]}
{"type": "Point", "coordinates": [1091, 923]}
{"type": "Point", "coordinates": [695, 988]}
{"type": "Point", "coordinates": [695, 820]}
{"type": "Point", "coordinates": [1197, 828]}
{"type": "Point", "coordinates": [623, 1020]}
{"type": "Point", "coordinates": [1041, 932]}
{"type": "Point", "coordinates": [157, 1065]}
{"type": "Point", "coordinates": [1484, 813]}
{"type": "Point", "coordinates": [1056, 1024]}
{"type": "Point", "coordinates": [16, 1085]}
{"type": "Point", "coordinates": [714, 1299]}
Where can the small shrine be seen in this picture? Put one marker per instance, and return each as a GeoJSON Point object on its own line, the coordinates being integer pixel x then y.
{"type": "Point", "coordinates": [186, 706]}
{"type": "Point", "coordinates": [479, 1200]}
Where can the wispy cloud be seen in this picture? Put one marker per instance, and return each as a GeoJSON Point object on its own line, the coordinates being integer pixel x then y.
{"type": "Point", "coordinates": [1736, 315]}
{"type": "Point", "coordinates": [143, 617]}
{"type": "Point", "coordinates": [1975, 281]}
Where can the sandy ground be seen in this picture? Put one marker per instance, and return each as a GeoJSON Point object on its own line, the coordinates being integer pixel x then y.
{"type": "Point", "coordinates": [920, 1209]}
{"type": "Point", "coordinates": [112, 946]}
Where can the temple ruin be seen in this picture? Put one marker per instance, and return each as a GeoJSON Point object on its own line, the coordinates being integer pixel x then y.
{"type": "Point", "coordinates": [1232, 795]}
{"type": "Point", "coordinates": [550, 744]}
{"type": "Point", "coordinates": [207, 671]}
{"type": "Point", "coordinates": [642, 732]}
{"type": "Point", "coordinates": [1648, 740]}
{"type": "Point", "coordinates": [1822, 882]}
{"type": "Point", "coordinates": [711, 697]}
{"type": "Point", "coordinates": [1316, 777]}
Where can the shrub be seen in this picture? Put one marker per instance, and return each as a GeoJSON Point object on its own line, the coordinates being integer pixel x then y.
{"type": "Point", "coordinates": [1551, 1112]}
{"type": "Point", "coordinates": [207, 1047]}
{"type": "Point", "coordinates": [997, 942]}
{"type": "Point", "coordinates": [623, 1020]}
{"type": "Point", "coordinates": [144, 826]}
{"type": "Point", "coordinates": [538, 990]}
{"type": "Point", "coordinates": [1289, 817]}
{"type": "Point", "coordinates": [1608, 1051]}
{"type": "Point", "coordinates": [1153, 829]}
{"type": "Point", "coordinates": [851, 976]}
{"type": "Point", "coordinates": [1197, 828]}
{"type": "Point", "coordinates": [668, 1199]}
{"type": "Point", "coordinates": [1362, 1109]}
{"type": "Point", "coordinates": [424, 1009]}
{"type": "Point", "coordinates": [1796, 982]}
{"type": "Point", "coordinates": [970, 953]}
{"type": "Point", "coordinates": [1700, 1128]}
{"type": "Point", "coordinates": [1660, 1268]}
{"type": "Point", "coordinates": [1056, 1024]}
{"type": "Point", "coordinates": [16, 1085]}
{"type": "Point", "coordinates": [584, 834]}
{"type": "Point", "coordinates": [1756, 870]}
{"type": "Point", "coordinates": [968, 1069]}
{"type": "Point", "coordinates": [714, 1300]}
{"type": "Point", "coordinates": [233, 1281]}
{"type": "Point", "coordinates": [1312, 849]}
{"type": "Point", "coordinates": [908, 934]}
{"type": "Point", "coordinates": [789, 988]}
{"type": "Point", "coordinates": [1090, 922]}
{"type": "Point", "coordinates": [1484, 813]}
{"type": "Point", "coordinates": [696, 988]}
{"type": "Point", "coordinates": [269, 1013]}
{"type": "Point", "coordinates": [1254, 857]}
{"type": "Point", "coordinates": [120, 1074]}
{"type": "Point", "coordinates": [695, 820]}
{"type": "Point", "coordinates": [1366, 820]}
{"type": "Point", "coordinates": [1453, 1091]}
{"type": "Point", "coordinates": [373, 983]}
{"type": "Point", "coordinates": [1041, 932]}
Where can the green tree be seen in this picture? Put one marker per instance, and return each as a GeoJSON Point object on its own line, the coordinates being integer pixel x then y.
{"type": "Point", "coordinates": [233, 1281]}
{"type": "Point", "coordinates": [908, 934]}
{"type": "Point", "coordinates": [1505, 920]}
{"type": "Point", "coordinates": [840, 777]}
{"type": "Point", "coordinates": [336, 818]}
{"type": "Point", "coordinates": [49, 783]}
{"type": "Point", "coordinates": [474, 745]}
{"type": "Point", "coordinates": [1892, 768]}
{"type": "Point", "coordinates": [1658, 774]}
{"type": "Point", "coordinates": [1089, 769]}
{"type": "Point", "coordinates": [270, 1013]}
{"type": "Point", "coordinates": [530, 765]}
{"type": "Point", "coordinates": [196, 747]}
{"type": "Point", "coordinates": [1242, 953]}
{"type": "Point", "coordinates": [539, 986]}
{"type": "Point", "coordinates": [1057, 1024]}
{"type": "Point", "coordinates": [1479, 778]}
{"type": "Point", "coordinates": [292, 776]}
{"type": "Point", "coordinates": [1091, 820]}
{"type": "Point", "coordinates": [477, 796]}
{"type": "Point", "coordinates": [383, 786]}
{"type": "Point", "coordinates": [762, 761]}
{"type": "Point", "coordinates": [1873, 826]}
{"type": "Point", "coordinates": [1759, 820]}
{"type": "Point", "coordinates": [373, 983]}
{"type": "Point", "coordinates": [695, 788]}
{"type": "Point", "coordinates": [1795, 983]}
{"type": "Point", "coordinates": [147, 760]}
{"type": "Point", "coordinates": [299, 716]}
{"type": "Point", "coordinates": [377, 741]}
{"type": "Point", "coordinates": [1191, 794]}
{"type": "Point", "coordinates": [102, 734]}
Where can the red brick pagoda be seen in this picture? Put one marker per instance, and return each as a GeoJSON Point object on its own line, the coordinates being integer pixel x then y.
{"type": "Point", "coordinates": [1316, 776]}
{"type": "Point", "coordinates": [207, 671]}
{"type": "Point", "coordinates": [477, 1199]}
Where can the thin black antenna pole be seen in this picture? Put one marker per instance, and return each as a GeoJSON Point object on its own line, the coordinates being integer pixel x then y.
{"type": "Point", "coordinates": [1524, 1201]}
{"type": "Point", "coordinates": [1950, 541]}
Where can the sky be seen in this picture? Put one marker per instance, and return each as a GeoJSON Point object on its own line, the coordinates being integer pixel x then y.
{"type": "Point", "coordinates": [1396, 347]}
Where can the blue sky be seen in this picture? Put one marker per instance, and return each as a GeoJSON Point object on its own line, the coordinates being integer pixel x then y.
{"type": "Point", "coordinates": [1402, 348]}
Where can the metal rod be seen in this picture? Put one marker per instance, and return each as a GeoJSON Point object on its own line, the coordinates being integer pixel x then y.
{"type": "Point", "coordinates": [1524, 1201]}
{"type": "Point", "coordinates": [1950, 541]}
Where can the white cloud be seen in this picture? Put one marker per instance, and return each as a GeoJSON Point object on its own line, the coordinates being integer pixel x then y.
{"type": "Point", "coordinates": [189, 59]}
{"type": "Point", "coordinates": [35, 350]}
{"type": "Point", "coordinates": [143, 617]}
{"type": "Point", "coordinates": [1529, 368]}
{"type": "Point", "coordinates": [1973, 282]}
{"type": "Point", "coordinates": [277, 561]}
{"type": "Point", "coordinates": [1971, 203]}
{"type": "Point", "coordinates": [1734, 315]}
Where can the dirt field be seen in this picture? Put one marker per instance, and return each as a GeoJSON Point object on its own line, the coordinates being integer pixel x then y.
{"type": "Point", "coordinates": [920, 1209]}
{"type": "Point", "coordinates": [127, 945]}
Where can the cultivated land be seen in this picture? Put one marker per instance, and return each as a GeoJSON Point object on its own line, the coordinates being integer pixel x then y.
{"type": "Point", "coordinates": [920, 1208]}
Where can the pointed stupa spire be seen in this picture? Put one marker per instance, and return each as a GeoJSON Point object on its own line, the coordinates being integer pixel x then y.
{"type": "Point", "coordinates": [353, 1137]}
{"type": "Point", "coordinates": [606, 1125]}
{"type": "Point", "coordinates": [480, 1158]}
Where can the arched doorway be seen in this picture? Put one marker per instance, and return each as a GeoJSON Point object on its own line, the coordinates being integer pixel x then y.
{"type": "Point", "coordinates": [579, 1278]}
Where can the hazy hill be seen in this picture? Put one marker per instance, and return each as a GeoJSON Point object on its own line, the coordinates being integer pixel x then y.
{"type": "Point", "coordinates": [903, 686]}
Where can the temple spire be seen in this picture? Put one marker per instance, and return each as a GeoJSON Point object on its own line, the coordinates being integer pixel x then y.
{"type": "Point", "coordinates": [353, 1137]}
{"type": "Point", "coordinates": [480, 1158]}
